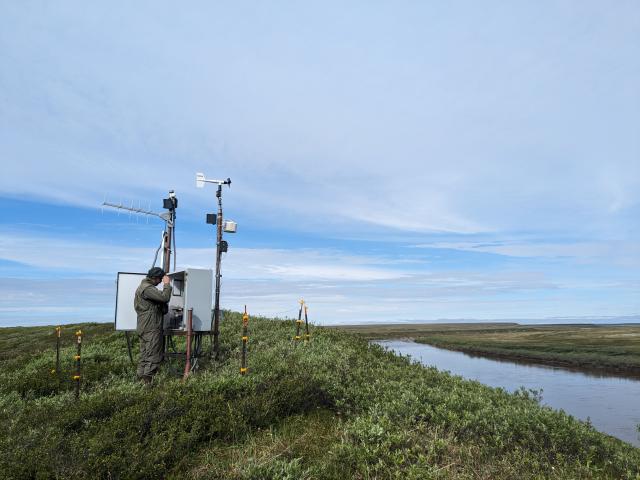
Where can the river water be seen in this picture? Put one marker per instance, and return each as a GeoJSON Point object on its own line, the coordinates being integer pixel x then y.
{"type": "Point", "coordinates": [612, 403]}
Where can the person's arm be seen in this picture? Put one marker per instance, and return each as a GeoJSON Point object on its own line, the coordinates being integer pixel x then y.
{"type": "Point", "coordinates": [154, 295]}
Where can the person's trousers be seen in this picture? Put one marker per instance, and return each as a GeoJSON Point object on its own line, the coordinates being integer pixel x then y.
{"type": "Point", "coordinates": [150, 352]}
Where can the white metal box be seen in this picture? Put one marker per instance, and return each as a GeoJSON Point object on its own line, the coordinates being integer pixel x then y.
{"type": "Point", "coordinates": [191, 288]}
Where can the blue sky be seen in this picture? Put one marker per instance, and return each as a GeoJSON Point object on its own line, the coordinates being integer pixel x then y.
{"type": "Point", "coordinates": [391, 161]}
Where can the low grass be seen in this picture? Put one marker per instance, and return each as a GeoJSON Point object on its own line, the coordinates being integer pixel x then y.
{"type": "Point", "coordinates": [335, 408]}
{"type": "Point", "coordinates": [613, 349]}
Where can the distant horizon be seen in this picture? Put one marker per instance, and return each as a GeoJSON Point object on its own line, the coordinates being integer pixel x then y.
{"type": "Point", "coordinates": [612, 321]}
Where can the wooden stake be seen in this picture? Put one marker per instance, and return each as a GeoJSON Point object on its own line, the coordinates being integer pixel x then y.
{"type": "Point", "coordinates": [58, 331]}
{"type": "Point", "coordinates": [307, 336]}
{"type": "Point", "coordinates": [78, 361]}
{"type": "Point", "coordinates": [245, 339]}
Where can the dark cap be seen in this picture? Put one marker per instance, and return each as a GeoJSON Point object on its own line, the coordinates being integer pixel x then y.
{"type": "Point", "coordinates": [156, 272]}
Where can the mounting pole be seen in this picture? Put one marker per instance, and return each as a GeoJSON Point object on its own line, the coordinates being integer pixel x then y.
{"type": "Point", "coordinates": [216, 307]}
{"type": "Point", "coordinates": [170, 204]}
{"type": "Point", "coordinates": [221, 247]}
{"type": "Point", "coordinates": [77, 358]}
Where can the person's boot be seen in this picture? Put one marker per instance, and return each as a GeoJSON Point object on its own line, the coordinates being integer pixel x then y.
{"type": "Point", "coordinates": [146, 379]}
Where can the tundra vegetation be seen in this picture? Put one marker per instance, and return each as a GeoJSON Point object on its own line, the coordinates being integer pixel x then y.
{"type": "Point", "coordinates": [334, 408]}
{"type": "Point", "coordinates": [608, 348]}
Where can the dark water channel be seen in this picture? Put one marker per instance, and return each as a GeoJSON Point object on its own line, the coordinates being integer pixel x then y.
{"type": "Point", "coordinates": [612, 403]}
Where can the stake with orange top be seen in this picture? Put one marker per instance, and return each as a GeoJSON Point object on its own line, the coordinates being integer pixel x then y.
{"type": "Point", "coordinates": [76, 377]}
{"type": "Point", "coordinates": [56, 371]}
{"type": "Point", "coordinates": [245, 339]}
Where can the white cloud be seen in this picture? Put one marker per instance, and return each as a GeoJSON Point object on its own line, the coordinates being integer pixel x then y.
{"type": "Point", "coordinates": [426, 130]}
{"type": "Point", "coordinates": [613, 252]}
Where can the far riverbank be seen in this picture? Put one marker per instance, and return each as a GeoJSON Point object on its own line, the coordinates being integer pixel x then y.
{"type": "Point", "coordinates": [606, 349]}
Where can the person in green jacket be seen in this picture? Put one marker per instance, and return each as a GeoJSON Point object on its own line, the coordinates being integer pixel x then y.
{"type": "Point", "coordinates": [150, 305]}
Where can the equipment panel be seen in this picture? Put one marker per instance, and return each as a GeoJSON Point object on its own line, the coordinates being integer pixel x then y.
{"type": "Point", "coordinates": [191, 288]}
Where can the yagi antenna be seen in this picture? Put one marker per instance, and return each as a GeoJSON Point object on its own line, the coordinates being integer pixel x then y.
{"type": "Point", "coordinates": [168, 236]}
{"type": "Point", "coordinates": [119, 206]}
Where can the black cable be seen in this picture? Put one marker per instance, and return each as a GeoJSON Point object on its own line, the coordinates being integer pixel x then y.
{"type": "Point", "coordinates": [173, 234]}
{"type": "Point", "coordinates": [155, 258]}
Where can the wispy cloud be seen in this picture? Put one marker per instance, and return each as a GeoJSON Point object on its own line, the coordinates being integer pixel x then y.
{"type": "Point", "coordinates": [624, 253]}
{"type": "Point", "coordinates": [399, 134]}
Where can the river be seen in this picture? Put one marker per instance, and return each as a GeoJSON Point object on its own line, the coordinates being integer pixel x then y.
{"type": "Point", "coordinates": [612, 403]}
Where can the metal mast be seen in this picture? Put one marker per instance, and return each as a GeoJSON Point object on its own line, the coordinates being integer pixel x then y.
{"type": "Point", "coordinates": [221, 247]}
{"type": "Point", "coordinates": [170, 204]}
{"type": "Point", "coordinates": [216, 305]}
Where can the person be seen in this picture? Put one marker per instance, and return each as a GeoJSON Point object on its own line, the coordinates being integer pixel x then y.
{"type": "Point", "coordinates": [151, 305]}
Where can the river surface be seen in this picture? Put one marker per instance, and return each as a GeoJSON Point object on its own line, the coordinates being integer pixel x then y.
{"type": "Point", "coordinates": [612, 403]}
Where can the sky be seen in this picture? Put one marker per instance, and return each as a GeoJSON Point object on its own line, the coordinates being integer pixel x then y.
{"type": "Point", "coordinates": [390, 161]}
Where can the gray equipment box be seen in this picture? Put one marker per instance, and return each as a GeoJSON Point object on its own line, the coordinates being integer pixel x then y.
{"type": "Point", "coordinates": [191, 288]}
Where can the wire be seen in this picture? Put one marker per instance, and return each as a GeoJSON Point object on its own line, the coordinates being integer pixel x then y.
{"type": "Point", "coordinates": [155, 258]}
{"type": "Point", "coordinates": [173, 234]}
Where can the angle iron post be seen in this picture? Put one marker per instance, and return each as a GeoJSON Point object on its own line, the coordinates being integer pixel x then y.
{"type": "Point", "coordinates": [307, 336]}
{"type": "Point", "coordinates": [216, 307]}
{"type": "Point", "coordinates": [245, 339]}
{"type": "Point", "coordinates": [187, 365]}
{"type": "Point", "coordinates": [299, 322]}
{"type": "Point", "coordinates": [77, 358]}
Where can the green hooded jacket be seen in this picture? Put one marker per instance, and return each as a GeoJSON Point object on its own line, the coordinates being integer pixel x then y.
{"type": "Point", "coordinates": [150, 304]}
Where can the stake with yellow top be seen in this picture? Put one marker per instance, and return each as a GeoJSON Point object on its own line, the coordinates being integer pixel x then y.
{"type": "Point", "coordinates": [245, 339]}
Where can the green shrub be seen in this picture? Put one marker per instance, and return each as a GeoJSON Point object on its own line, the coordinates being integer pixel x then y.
{"type": "Point", "coordinates": [336, 407]}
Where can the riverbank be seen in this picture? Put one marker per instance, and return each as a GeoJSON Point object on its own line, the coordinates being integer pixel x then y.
{"type": "Point", "coordinates": [611, 349]}
{"type": "Point", "coordinates": [334, 408]}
